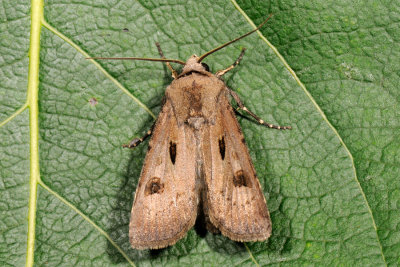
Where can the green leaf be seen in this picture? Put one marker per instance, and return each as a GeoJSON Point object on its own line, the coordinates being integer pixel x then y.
{"type": "Point", "coordinates": [346, 54]}
{"type": "Point", "coordinates": [14, 132]}
{"type": "Point", "coordinates": [330, 183]}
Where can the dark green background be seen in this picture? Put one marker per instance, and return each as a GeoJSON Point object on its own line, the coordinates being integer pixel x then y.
{"type": "Point", "coordinates": [332, 183]}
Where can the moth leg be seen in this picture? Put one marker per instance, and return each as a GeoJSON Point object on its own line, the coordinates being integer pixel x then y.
{"type": "Point", "coordinates": [222, 72]}
{"type": "Point", "coordinates": [259, 120]}
{"type": "Point", "coordinates": [136, 141]}
{"type": "Point", "coordinates": [174, 73]}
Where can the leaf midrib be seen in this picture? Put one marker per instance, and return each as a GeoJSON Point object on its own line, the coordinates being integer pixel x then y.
{"type": "Point", "coordinates": [37, 21]}
{"type": "Point", "coordinates": [32, 103]}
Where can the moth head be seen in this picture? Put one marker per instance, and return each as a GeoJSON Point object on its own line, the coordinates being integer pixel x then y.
{"type": "Point", "coordinates": [193, 64]}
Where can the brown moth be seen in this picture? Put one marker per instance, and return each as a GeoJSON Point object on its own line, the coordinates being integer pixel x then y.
{"type": "Point", "coordinates": [197, 157]}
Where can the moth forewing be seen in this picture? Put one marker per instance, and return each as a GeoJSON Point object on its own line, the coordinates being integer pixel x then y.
{"type": "Point", "coordinates": [166, 200]}
{"type": "Point", "coordinates": [235, 202]}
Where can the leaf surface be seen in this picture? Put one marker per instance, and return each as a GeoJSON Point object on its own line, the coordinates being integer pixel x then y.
{"type": "Point", "coordinates": [329, 183]}
{"type": "Point", "coordinates": [346, 55]}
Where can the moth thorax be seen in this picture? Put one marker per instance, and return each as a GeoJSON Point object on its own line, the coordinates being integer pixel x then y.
{"type": "Point", "coordinates": [196, 122]}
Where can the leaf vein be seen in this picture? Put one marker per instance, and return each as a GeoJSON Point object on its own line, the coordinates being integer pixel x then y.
{"type": "Point", "coordinates": [86, 218]}
{"type": "Point", "coordinates": [15, 114]}
{"type": "Point", "coordinates": [108, 75]}
{"type": "Point", "coordinates": [308, 94]}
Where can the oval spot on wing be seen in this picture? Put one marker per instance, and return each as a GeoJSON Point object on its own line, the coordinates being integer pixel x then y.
{"type": "Point", "coordinates": [154, 186]}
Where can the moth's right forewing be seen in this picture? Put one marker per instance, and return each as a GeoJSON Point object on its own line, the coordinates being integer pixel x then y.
{"type": "Point", "coordinates": [166, 200]}
{"type": "Point", "coordinates": [235, 203]}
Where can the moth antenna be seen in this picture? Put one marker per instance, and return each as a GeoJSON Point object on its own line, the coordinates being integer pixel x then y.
{"type": "Point", "coordinates": [234, 40]}
{"type": "Point", "coordinates": [141, 58]}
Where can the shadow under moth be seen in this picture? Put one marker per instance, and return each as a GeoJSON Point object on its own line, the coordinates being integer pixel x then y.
{"type": "Point", "coordinates": [197, 157]}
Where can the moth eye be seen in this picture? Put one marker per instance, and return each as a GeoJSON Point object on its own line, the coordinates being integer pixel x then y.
{"type": "Point", "coordinates": [205, 66]}
{"type": "Point", "coordinates": [154, 186]}
{"type": "Point", "coordinates": [221, 144]}
{"type": "Point", "coordinates": [240, 179]}
{"type": "Point", "coordinates": [172, 151]}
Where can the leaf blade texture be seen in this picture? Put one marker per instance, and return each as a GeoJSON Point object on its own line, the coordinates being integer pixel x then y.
{"type": "Point", "coordinates": [330, 183]}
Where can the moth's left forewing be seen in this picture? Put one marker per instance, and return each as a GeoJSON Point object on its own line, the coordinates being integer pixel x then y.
{"type": "Point", "coordinates": [234, 201]}
{"type": "Point", "coordinates": [166, 199]}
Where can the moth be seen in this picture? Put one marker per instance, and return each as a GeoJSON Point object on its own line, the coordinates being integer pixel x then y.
{"type": "Point", "coordinates": [197, 158]}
